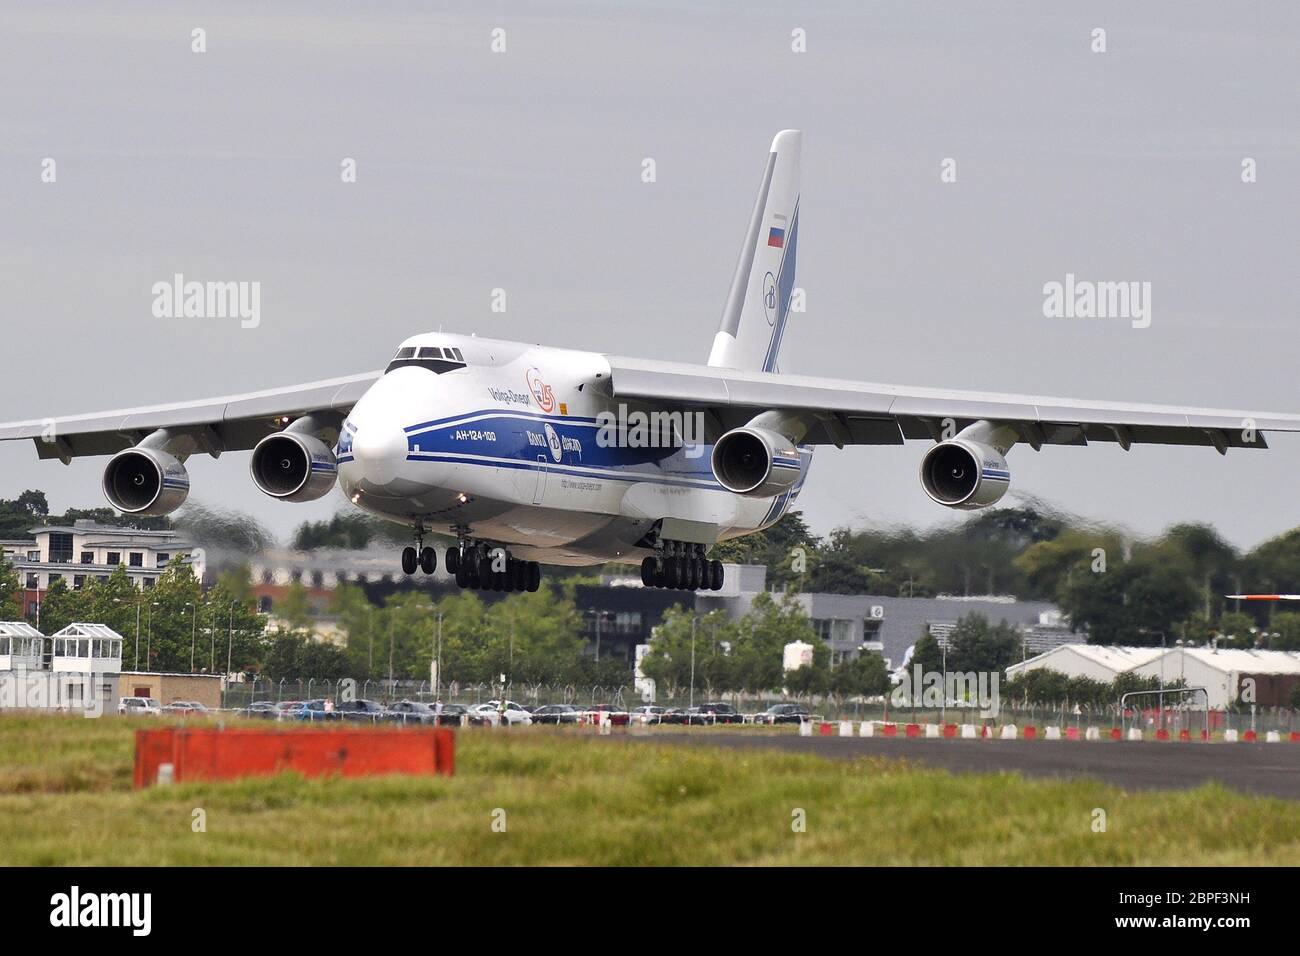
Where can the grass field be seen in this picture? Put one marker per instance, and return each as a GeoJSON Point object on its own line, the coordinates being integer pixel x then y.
{"type": "Point", "coordinates": [66, 798]}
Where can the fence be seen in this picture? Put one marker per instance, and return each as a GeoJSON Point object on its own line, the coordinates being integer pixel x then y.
{"type": "Point", "coordinates": [1173, 718]}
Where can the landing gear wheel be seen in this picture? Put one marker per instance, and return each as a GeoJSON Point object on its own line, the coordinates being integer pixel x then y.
{"type": "Point", "coordinates": [715, 575]}
{"type": "Point", "coordinates": [660, 579]}
{"type": "Point", "coordinates": [485, 573]}
{"type": "Point", "coordinates": [452, 563]}
{"type": "Point", "coordinates": [534, 575]}
{"type": "Point", "coordinates": [409, 560]}
{"type": "Point", "coordinates": [648, 572]}
{"type": "Point", "coordinates": [462, 575]}
{"type": "Point", "coordinates": [521, 576]}
{"type": "Point", "coordinates": [428, 560]}
{"type": "Point", "coordinates": [691, 579]}
{"type": "Point", "coordinates": [672, 572]}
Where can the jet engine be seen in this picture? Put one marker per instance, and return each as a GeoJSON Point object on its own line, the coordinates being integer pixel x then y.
{"type": "Point", "coordinates": [293, 466]}
{"type": "Point", "coordinates": [145, 481]}
{"type": "Point", "coordinates": [966, 474]}
{"type": "Point", "coordinates": [755, 462]}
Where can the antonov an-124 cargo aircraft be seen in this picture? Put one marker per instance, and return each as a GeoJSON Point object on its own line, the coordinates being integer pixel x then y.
{"type": "Point", "coordinates": [528, 455]}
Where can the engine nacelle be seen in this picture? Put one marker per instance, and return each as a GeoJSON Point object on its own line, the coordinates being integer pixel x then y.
{"type": "Point", "coordinates": [293, 466]}
{"type": "Point", "coordinates": [966, 474]}
{"type": "Point", "coordinates": [755, 462]}
{"type": "Point", "coordinates": [145, 481]}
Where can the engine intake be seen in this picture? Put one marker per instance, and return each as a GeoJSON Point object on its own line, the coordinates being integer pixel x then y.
{"type": "Point", "coordinates": [293, 467]}
{"type": "Point", "coordinates": [145, 481]}
{"type": "Point", "coordinates": [964, 474]}
{"type": "Point", "coordinates": [755, 462]}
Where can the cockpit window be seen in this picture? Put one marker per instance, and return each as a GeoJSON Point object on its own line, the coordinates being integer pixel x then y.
{"type": "Point", "coordinates": [431, 357]}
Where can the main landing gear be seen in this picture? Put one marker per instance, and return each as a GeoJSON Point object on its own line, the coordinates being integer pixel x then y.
{"type": "Point", "coordinates": [682, 567]}
{"type": "Point", "coordinates": [482, 569]}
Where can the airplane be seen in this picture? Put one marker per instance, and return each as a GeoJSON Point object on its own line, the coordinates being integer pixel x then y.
{"type": "Point", "coordinates": [527, 455]}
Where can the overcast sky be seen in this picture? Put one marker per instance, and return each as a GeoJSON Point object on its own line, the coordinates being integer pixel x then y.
{"type": "Point", "coordinates": [522, 170]}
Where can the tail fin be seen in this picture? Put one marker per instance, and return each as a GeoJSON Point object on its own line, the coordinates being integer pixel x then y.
{"type": "Point", "coordinates": [753, 322]}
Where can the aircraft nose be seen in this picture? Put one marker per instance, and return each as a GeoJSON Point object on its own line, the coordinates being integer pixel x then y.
{"type": "Point", "coordinates": [379, 450]}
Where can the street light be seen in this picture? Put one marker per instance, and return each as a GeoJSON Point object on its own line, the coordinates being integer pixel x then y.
{"type": "Point", "coordinates": [194, 623]}
{"type": "Point", "coordinates": [136, 602]}
{"type": "Point", "coordinates": [148, 647]}
{"type": "Point", "coordinates": [230, 640]}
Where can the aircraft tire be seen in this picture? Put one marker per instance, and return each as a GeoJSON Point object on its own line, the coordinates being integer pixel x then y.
{"type": "Point", "coordinates": [648, 572]}
{"type": "Point", "coordinates": [409, 560]}
{"type": "Point", "coordinates": [452, 562]}
{"type": "Point", "coordinates": [534, 575]}
{"type": "Point", "coordinates": [428, 560]}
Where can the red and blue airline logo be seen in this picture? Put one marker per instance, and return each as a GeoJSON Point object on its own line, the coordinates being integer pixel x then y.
{"type": "Point", "coordinates": [776, 237]}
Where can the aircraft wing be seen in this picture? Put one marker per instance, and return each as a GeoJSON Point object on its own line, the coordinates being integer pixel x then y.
{"type": "Point", "coordinates": [227, 423]}
{"type": "Point", "coordinates": [843, 412]}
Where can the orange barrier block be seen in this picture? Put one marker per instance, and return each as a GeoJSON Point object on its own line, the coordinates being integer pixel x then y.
{"type": "Point", "coordinates": [1295, 736]}
{"type": "Point", "coordinates": [1071, 733]}
{"type": "Point", "coordinates": [950, 730]}
{"type": "Point", "coordinates": [1116, 734]}
{"type": "Point", "coordinates": [1162, 734]}
{"type": "Point", "coordinates": [1184, 735]}
{"type": "Point", "coordinates": [1031, 732]}
{"type": "Point", "coordinates": [889, 730]}
{"type": "Point", "coordinates": [1249, 736]}
{"type": "Point", "coordinates": [213, 754]}
{"type": "Point", "coordinates": [824, 729]}
{"type": "Point", "coordinates": [913, 730]}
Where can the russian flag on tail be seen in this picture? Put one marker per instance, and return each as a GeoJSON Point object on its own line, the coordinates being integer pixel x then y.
{"type": "Point", "coordinates": [776, 237]}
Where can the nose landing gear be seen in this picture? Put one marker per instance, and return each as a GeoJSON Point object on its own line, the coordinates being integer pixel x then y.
{"type": "Point", "coordinates": [426, 559]}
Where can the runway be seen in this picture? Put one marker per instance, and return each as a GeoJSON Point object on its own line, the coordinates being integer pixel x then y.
{"type": "Point", "coordinates": [1265, 769]}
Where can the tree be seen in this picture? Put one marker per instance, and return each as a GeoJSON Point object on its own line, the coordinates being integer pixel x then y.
{"type": "Point", "coordinates": [11, 604]}
{"type": "Point", "coordinates": [976, 645]}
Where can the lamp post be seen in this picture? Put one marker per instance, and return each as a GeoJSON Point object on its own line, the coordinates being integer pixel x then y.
{"type": "Point", "coordinates": [194, 623]}
{"type": "Point", "coordinates": [136, 665]}
{"type": "Point", "coordinates": [148, 647]}
{"type": "Point", "coordinates": [230, 639]}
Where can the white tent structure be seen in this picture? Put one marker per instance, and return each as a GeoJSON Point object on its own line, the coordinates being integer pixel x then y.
{"type": "Point", "coordinates": [1096, 661]}
{"type": "Point", "coordinates": [1222, 671]}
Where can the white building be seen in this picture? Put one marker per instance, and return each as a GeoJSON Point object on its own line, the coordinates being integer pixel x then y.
{"type": "Point", "coordinates": [76, 669]}
{"type": "Point", "coordinates": [1095, 661]}
{"type": "Point", "coordinates": [88, 551]}
{"type": "Point", "coordinates": [1221, 672]}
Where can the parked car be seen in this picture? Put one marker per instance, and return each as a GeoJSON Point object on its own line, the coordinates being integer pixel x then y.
{"type": "Point", "coordinates": [514, 713]}
{"type": "Point", "coordinates": [139, 707]}
{"type": "Point", "coordinates": [556, 714]}
{"type": "Point", "coordinates": [649, 714]}
{"type": "Point", "coordinates": [362, 710]}
{"type": "Point", "coordinates": [186, 707]}
{"type": "Point", "coordinates": [452, 713]}
{"type": "Point", "coordinates": [284, 707]}
{"type": "Point", "coordinates": [411, 712]}
{"type": "Point", "coordinates": [714, 712]}
{"type": "Point", "coordinates": [784, 714]}
{"type": "Point", "coordinates": [311, 710]}
{"type": "Point", "coordinates": [617, 715]}
{"type": "Point", "coordinates": [262, 710]}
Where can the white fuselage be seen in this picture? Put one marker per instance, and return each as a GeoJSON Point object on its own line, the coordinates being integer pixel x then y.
{"type": "Point", "coordinates": [509, 449]}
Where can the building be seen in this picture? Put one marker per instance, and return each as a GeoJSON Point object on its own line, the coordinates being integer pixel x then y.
{"type": "Point", "coordinates": [1094, 661]}
{"type": "Point", "coordinates": [88, 551]}
{"type": "Point", "coordinates": [75, 669]}
{"type": "Point", "coordinates": [1223, 672]}
{"type": "Point", "coordinates": [274, 571]}
{"type": "Point", "coordinates": [167, 688]}
{"type": "Point", "coordinates": [850, 624]}
{"type": "Point", "coordinates": [853, 623]}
